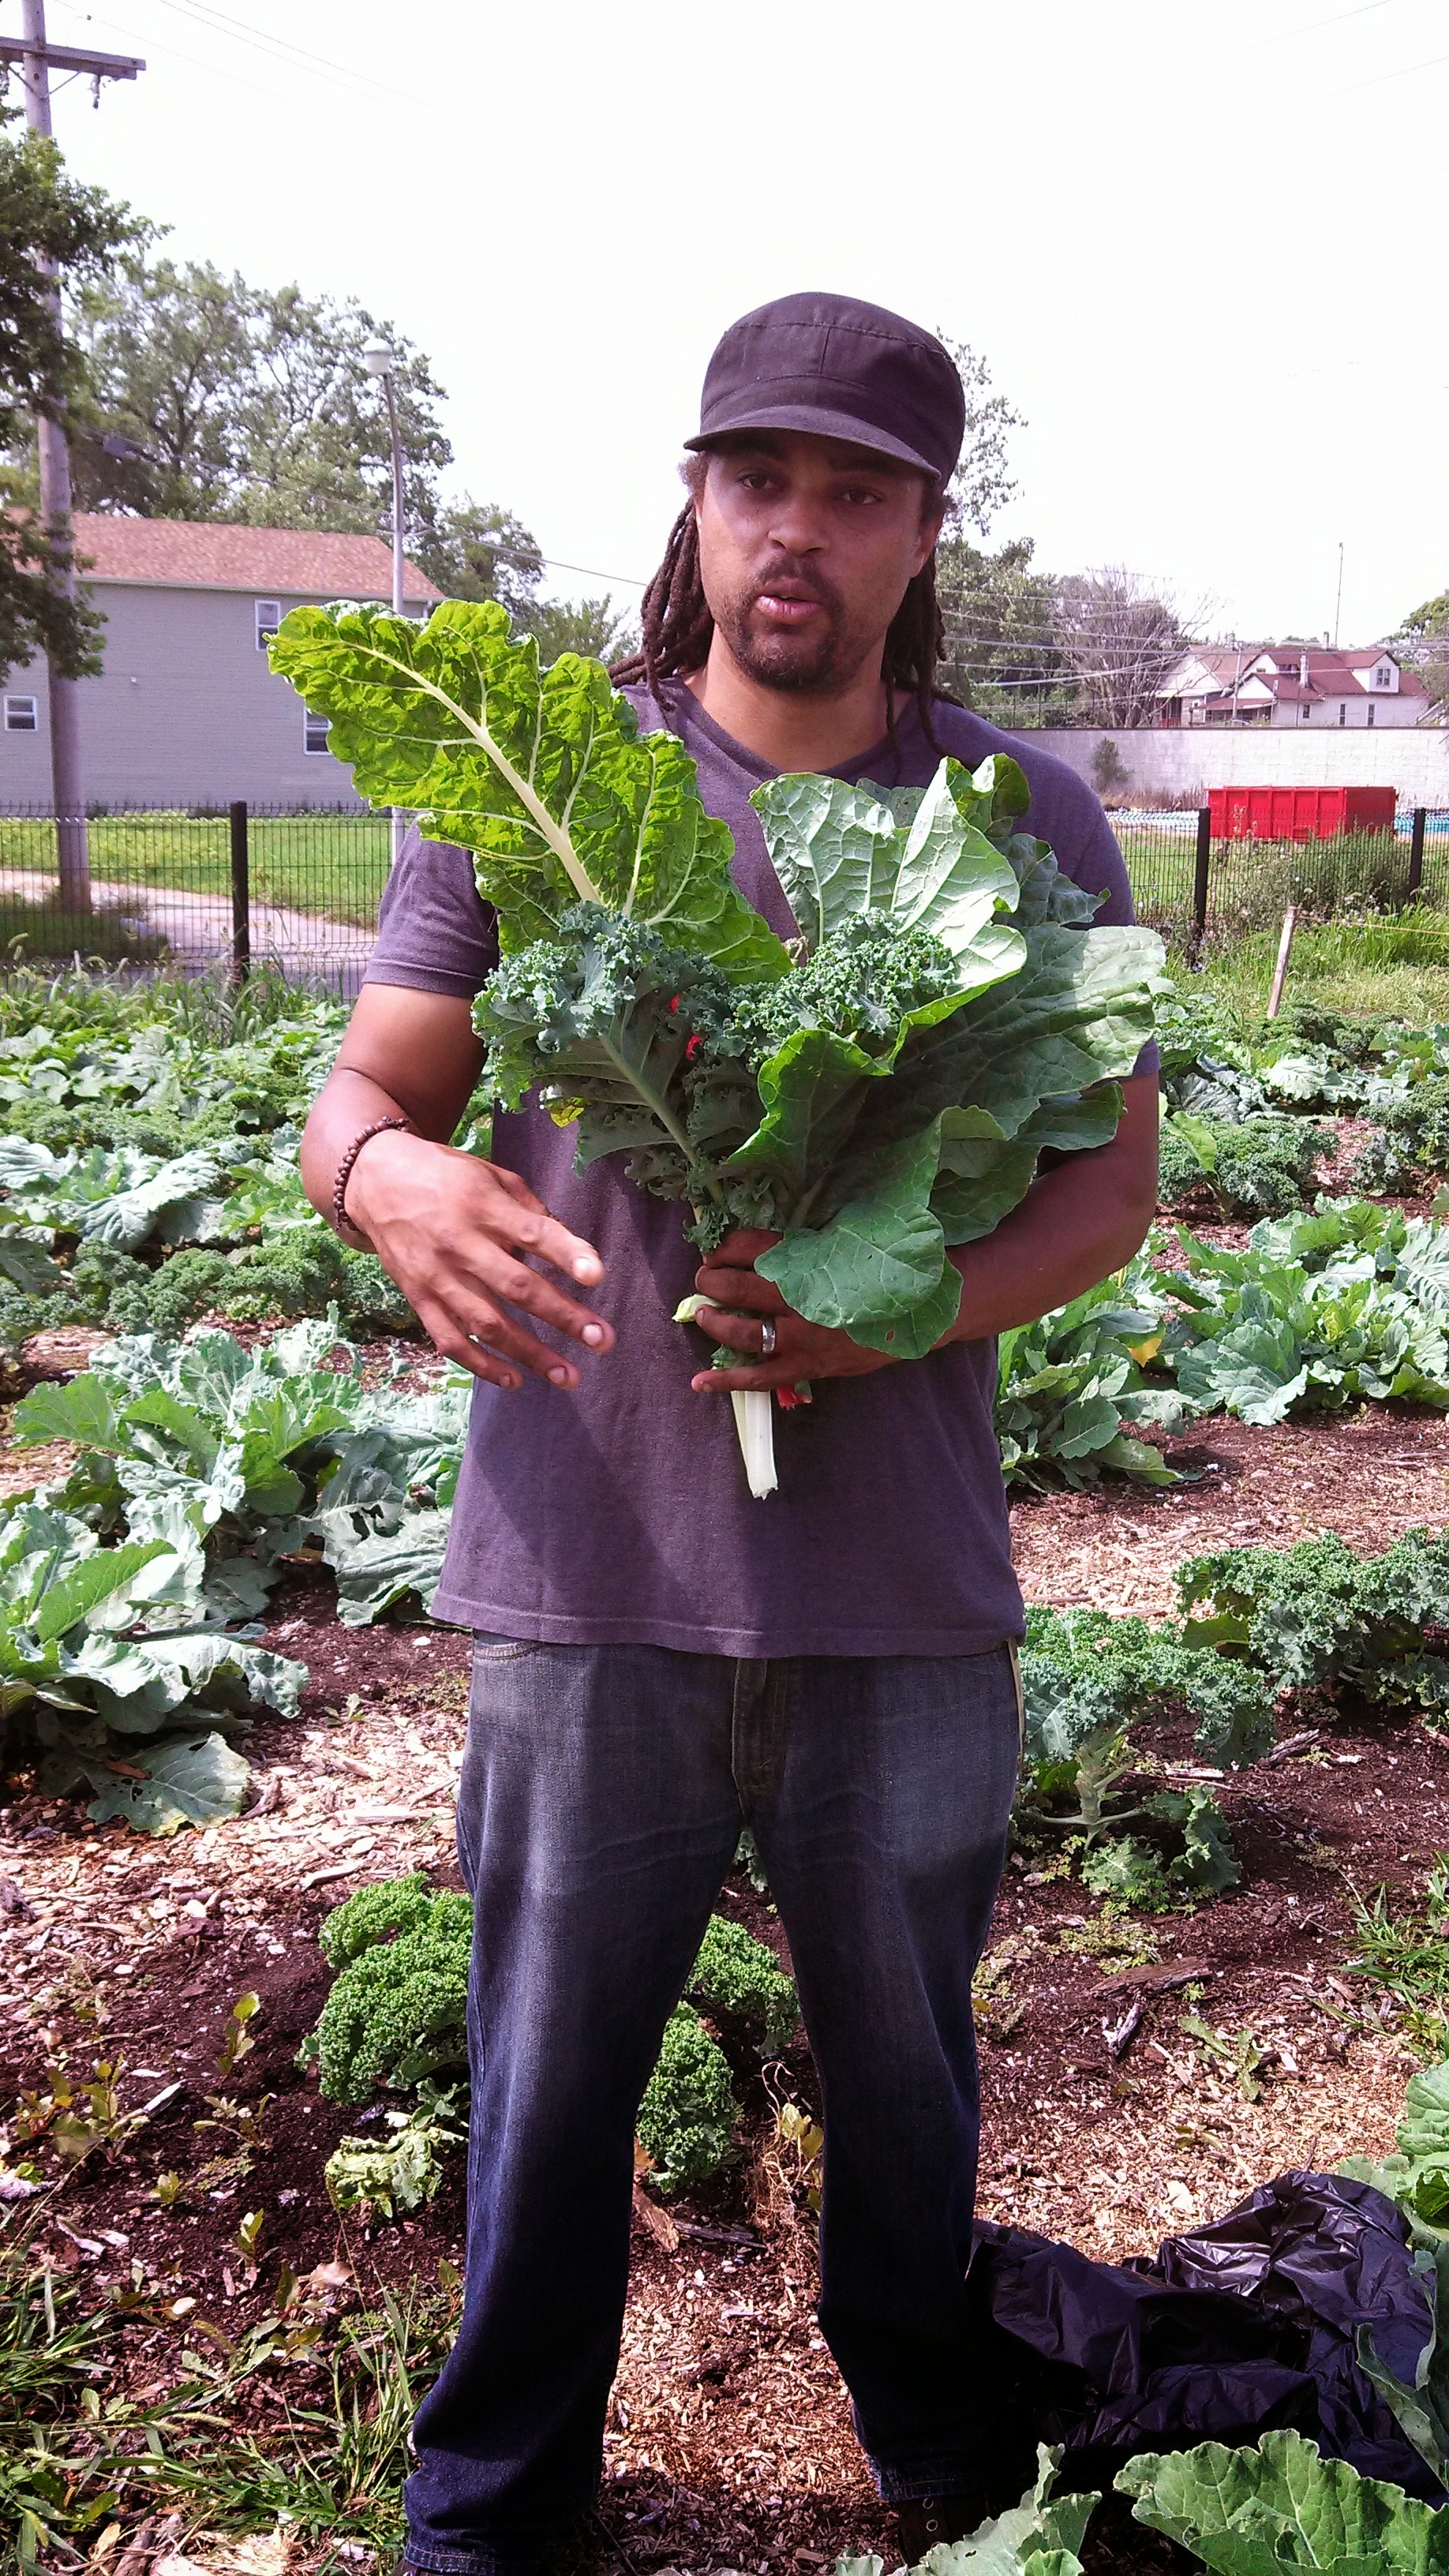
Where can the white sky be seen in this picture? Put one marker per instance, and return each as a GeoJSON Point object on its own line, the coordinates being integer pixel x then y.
{"type": "Point", "coordinates": [1200, 247]}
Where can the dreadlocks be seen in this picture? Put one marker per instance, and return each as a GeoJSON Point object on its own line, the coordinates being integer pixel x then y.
{"type": "Point", "coordinates": [676, 627]}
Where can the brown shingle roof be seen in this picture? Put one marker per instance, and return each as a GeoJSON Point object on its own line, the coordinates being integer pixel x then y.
{"type": "Point", "coordinates": [193, 554]}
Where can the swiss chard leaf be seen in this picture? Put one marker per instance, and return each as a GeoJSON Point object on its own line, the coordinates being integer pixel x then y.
{"type": "Point", "coordinates": [542, 774]}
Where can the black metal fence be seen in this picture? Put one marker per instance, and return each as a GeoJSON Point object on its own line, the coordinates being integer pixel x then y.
{"type": "Point", "coordinates": [252, 885]}
{"type": "Point", "coordinates": [242, 885]}
{"type": "Point", "coordinates": [1197, 888]}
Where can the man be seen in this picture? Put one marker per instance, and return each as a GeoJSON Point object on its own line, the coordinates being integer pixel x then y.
{"type": "Point", "coordinates": [661, 1659]}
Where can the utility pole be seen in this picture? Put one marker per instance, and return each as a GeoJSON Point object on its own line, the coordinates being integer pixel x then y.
{"type": "Point", "coordinates": [1338, 603]}
{"type": "Point", "coordinates": [379, 363]}
{"type": "Point", "coordinates": [37, 59]}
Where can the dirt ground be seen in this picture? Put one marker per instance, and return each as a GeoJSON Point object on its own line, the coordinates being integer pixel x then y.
{"type": "Point", "coordinates": [729, 2444]}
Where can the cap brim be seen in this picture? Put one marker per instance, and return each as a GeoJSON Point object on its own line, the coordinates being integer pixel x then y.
{"type": "Point", "coordinates": [816, 424]}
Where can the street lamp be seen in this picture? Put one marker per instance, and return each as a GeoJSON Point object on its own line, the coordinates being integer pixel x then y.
{"type": "Point", "coordinates": [380, 364]}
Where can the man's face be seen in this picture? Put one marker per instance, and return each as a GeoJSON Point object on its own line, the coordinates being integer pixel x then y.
{"type": "Point", "coordinates": [806, 546]}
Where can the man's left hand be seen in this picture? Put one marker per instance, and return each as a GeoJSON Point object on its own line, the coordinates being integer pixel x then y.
{"type": "Point", "coordinates": [802, 1351]}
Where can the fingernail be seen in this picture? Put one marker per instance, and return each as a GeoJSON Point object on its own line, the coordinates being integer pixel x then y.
{"type": "Point", "coordinates": [559, 1377]}
{"type": "Point", "coordinates": [593, 1334]}
{"type": "Point", "coordinates": [586, 1269]}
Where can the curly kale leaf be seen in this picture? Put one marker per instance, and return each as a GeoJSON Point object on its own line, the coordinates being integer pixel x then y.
{"type": "Point", "coordinates": [742, 1975]}
{"type": "Point", "coordinates": [398, 2010]}
{"type": "Point", "coordinates": [687, 2119]}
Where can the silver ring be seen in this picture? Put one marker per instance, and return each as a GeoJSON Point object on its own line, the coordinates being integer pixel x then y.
{"type": "Point", "coordinates": [767, 1339]}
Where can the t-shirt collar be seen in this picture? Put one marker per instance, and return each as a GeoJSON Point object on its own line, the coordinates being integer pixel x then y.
{"type": "Point", "coordinates": [872, 764]}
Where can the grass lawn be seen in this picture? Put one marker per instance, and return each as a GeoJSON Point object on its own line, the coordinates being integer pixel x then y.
{"type": "Point", "coordinates": [333, 864]}
{"type": "Point", "coordinates": [1395, 968]}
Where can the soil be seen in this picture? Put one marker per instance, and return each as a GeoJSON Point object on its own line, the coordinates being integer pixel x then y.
{"type": "Point", "coordinates": [729, 2445]}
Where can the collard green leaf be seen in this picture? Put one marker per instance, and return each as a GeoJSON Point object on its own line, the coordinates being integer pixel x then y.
{"type": "Point", "coordinates": [878, 1270]}
{"type": "Point", "coordinates": [192, 1780]}
{"type": "Point", "coordinates": [543, 775]}
{"type": "Point", "coordinates": [1253, 2512]}
{"type": "Point", "coordinates": [80, 1409]}
{"type": "Point", "coordinates": [82, 1588]}
{"type": "Point", "coordinates": [839, 852]}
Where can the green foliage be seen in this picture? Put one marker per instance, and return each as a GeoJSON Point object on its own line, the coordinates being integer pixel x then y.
{"type": "Point", "coordinates": [878, 1100]}
{"type": "Point", "coordinates": [1257, 1166]}
{"type": "Point", "coordinates": [108, 1678]}
{"type": "Point", "coordinates": [242, 402]}
{"type": "Point", "coordinates": [1089, 1680]}
{"type": "Point", "coordinates": [397, 2010]}
{"type": "Point", "coordinates": [397, 2015]}
{"type": "Point", "coordinates": [47, 219]}
{"type": "Point", "coordinates": [687, 2119]}
{"type": "Point", "coordinates": [1404, 1950]}
{"type": "Point", "coordinates": [51, 2352]}
{"type": "Point", "coordinates": [1067, 1384]}
{"type": "Point", "coordinates": [1255, 2512]}
{"type": "Point", "coordinates": [742, 1975]}
{"type": "Point", "coordinates": [157, 1169]}
{"type": "Point", "coordinates": [237, 1459]}
{"type": "Point", "coordinates": [379, 2177]}
{"type": "Point", "coordinates": [1317, 1617]}
{"type": "Point", "coordinates": [1041, 2536]}
{"type": "Point", "coordinates": [1317, 1312]}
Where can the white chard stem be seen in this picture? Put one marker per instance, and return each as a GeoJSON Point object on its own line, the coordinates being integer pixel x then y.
{"type": "Point", "coordinates": [755, 1426]}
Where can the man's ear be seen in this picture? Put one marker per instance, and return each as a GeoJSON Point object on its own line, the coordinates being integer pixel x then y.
{"type": "Point", "coordinates": [931, 525]}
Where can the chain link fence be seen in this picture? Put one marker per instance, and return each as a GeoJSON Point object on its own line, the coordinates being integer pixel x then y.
{"type": "Point", "coordinates": [254, 885]}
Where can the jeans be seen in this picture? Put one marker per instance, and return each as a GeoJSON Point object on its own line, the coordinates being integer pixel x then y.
{"type": "Point", "coordinates": [602, 1795]}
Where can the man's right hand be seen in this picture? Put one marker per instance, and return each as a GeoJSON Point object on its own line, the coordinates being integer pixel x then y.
{"type": "Point", "coordinates": [452, 1230]}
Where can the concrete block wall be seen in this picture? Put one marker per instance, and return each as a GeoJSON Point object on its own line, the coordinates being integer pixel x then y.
{"type": "Point", "coordinates": [1414, 760]}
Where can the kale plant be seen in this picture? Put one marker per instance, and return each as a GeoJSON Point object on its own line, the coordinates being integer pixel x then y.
{"type": "Point", "coordinates": [1259, 1166]}
{"type": "Point", "coordinates": [397, 2016]}
{"type": "Point", "coordinates": [1372, 1630]}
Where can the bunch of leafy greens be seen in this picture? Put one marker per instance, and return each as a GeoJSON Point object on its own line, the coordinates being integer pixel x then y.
{"type": "Point", "coordinates": [237, 1460]}
{"type": "Point", "coordinates": [1089, 1681]}
{"type": "Point", "coordinates": [396, 2015]}
{"type": "Point", "coordinates": [877, 1099]}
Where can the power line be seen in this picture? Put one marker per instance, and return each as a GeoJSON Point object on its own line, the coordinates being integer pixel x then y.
{"type": "Point", "coordinates": [277, 47]}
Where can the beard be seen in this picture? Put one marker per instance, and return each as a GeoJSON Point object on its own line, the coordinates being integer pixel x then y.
{"type": "Point", "coordinates": [820, 662]}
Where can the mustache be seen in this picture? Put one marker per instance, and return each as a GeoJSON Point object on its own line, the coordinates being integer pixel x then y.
{"type": "Point", "coordinates": [797, 584]}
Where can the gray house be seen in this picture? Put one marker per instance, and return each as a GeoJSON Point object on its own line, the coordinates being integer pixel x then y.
{"type": "Point", "coordinates": [186, 711]}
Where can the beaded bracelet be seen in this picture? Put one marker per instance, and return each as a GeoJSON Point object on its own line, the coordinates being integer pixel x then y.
{"type": "Point", "coordinates": [341, 1221]}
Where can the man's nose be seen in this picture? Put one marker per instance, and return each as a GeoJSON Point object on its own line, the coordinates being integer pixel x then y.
{"type": "Point", "coordinates": [797, 527]}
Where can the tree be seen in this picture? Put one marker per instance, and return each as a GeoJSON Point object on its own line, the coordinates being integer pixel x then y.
{"type": "Point", "coordinates": [1002, 656]}
{"type": "Point", "coordinates": [212, 399]}
{"type": "Point", "coordinates": [46, 219]}
{"type": "Point", "coordinates": [475, 550]}
{"type": "Point", "coordinates": [981, 484]}
{"type": "Point", "coordinates": [591, 626]}
{"type": "Point", "coordinates": [1119, 639]}
{"type": "Point", "coordinates": [1423, 639]}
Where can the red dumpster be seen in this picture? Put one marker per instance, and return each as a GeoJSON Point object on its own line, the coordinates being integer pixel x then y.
{"type": "Point", "coordinates": [1298, 813]}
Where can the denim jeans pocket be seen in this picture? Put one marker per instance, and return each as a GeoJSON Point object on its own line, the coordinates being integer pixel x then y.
{"type": "Point", "coordinates": [502, 1650]}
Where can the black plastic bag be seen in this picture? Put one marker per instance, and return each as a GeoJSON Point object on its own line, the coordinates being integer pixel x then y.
{"type": "Point", "coordinates": [1227, 2332]}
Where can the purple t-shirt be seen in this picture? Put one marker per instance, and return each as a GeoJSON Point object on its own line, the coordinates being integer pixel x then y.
{"type": "Point", "coordinates": [619, 1515]}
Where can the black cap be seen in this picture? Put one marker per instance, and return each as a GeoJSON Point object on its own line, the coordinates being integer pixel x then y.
{"type": "Point", "coordinates": [837, 368]}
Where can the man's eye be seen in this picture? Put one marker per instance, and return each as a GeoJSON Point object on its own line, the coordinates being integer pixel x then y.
{"type": "Point", "coordinates": [860, 493]}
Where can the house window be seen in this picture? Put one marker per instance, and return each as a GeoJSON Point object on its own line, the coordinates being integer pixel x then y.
{"type": "Point", "coordinates": [315, 730]}
{"type": "Point", "coordinates": [269, 618]}
{"type": "Point", "coordinates": [1385, 678]}
{"type": "Point", "coordinates": [1304, 712]}
{"type": "Point", "coordinates": [1371, 711]}
{"type": "Point", "coordinates": [21, 716]}
{"type": "Point", "coordinates": [1343, 711]}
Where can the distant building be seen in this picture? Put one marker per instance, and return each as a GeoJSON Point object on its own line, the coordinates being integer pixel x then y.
{"type": "Point", "coordinates": [187, 711]}
{"type": "Point", "coordinates": [1291, 685]}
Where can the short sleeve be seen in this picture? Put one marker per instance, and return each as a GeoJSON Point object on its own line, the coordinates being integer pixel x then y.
{"type": "Point", "coordinates": [434, 931]}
